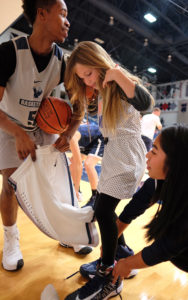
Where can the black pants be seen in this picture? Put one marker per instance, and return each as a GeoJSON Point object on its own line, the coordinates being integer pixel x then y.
{"type": "Point", "coordinates": [106, 217]}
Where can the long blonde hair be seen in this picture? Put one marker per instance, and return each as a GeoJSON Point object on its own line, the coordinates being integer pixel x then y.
{"type": "Point", "coordinates": [94, 56]}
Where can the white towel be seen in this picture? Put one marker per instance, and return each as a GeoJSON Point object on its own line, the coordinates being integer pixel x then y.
{"type": "Point", "coordinates": [45, 192]}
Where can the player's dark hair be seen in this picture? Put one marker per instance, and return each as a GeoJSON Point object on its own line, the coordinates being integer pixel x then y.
{"type": "Point", "coordinates": [174, 190]}
{"type": "Point", "coordinates": [30, 8]}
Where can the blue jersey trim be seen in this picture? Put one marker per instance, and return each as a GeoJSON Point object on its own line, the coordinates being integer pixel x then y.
{"type": "Point", "coordinates": [21, 43]}
{"type": "Point", "coordinates": [88, 233]}
{"type": "Point", "coordinates": [70, 181]}
{"type": "Point", "coordinates": [58, 52]}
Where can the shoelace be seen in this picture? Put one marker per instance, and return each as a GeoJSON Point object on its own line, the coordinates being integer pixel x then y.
{"type": "Point", "coordinates": [106, 290]}
{"type": "Point", "coordinates": [90, 286]}
{"type": "Point", "coordinates": [75, 273]}
{"type": "Point", "coordinates": [105, 294]}
{"type": "Point", "coordinates": [72, 275]}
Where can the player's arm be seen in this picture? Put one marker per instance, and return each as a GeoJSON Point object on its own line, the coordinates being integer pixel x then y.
{"type": "Point", "coordinates": [24, 145]}
{"type": "Point", "coordinates": [76, 161]}
{"type": "Point", "coordinates": [63, 142]}
{"type": "Point", "coordinates": [159, 125]}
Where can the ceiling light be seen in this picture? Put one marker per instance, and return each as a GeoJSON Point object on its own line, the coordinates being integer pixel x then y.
{"type": "Point", "coordinates": [111, 22]}
{"type": "Point", "coordinates": [150, 18]}
{"type": "Point", "coordinates": [98, 40]}
{"type": "Point", "coordinates": [152, 70]}
{"type": "Point", "coordinates": [130, 29]}
{"type": "Point", "coordinates": [75, 42]}
{"type": "Point", "coordinates": [169, 59]}
{"type": "Point", "coordinates": [145, 42]}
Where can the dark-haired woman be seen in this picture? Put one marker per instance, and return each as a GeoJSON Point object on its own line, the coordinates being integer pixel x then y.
{"type": "Point", "coordinates": [168, 164]}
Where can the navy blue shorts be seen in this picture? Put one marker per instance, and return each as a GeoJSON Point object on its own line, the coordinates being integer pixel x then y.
{"type": "Point", "coordinates": [91, 141]}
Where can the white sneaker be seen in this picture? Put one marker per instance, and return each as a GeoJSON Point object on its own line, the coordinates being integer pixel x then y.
{"type": "Point", "coordinates": [79, 249]}
{"type": "Point", "coordinates": [12, 257]}
{"type": "Point", "coordinates": [132, 274]}
{"type": "Point", "coordinates": [49, 293]}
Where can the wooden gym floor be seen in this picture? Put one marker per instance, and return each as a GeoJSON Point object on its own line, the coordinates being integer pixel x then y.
{"type": "Point", "coordinates": [47, 262]}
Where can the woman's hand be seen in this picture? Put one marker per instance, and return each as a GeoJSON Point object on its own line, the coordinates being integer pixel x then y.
{"type": "Point", "coordinates": [124, 266]}
{"type": "Point", "coordinates": [126, 84]}
{"type": "Point", "coordinates": [121, 269]}
{"type": "Point", "coordinates": [111, 74]}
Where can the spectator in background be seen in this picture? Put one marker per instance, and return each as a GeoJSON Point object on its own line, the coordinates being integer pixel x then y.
{"type": "Point", "coordinates": [149, 123]}
{"type": "Point", "coordinates": [87, 144]}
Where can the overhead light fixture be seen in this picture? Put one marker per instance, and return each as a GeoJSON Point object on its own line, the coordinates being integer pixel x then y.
{"type": "Point", "coordinates": [169, 59]}
{"type": "Point", "coordinates": [150, 18]}
{"type": "Point", "coordinates": [152, 70]}
{"type": "Point", "coordinates": [75, 42]}
{"type": "Point", "coordinates": [145, 42]}
{"type": "Point", "coordinates": [111, 21]}
{"type": "Point", "coordinates": [98, 40]}
{"type": "Point", "coordinates": [130, 29]}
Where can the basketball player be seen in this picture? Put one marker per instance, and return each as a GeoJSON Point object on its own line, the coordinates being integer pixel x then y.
{"type": "Point", "coordinates": [86, 145]}
{"type": "Point", "coordinates": [30, 68]}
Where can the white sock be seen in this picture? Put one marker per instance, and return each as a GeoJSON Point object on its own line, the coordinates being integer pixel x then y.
{"type": "Point", "coordinates": [11, 228]}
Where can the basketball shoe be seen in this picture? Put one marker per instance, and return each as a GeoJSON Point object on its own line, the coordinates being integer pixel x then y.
{"type": "Point", "coordinates": [89, 270]}
{"type": "Point", "coordinates": [12, 257]}
{"type": "Point", "coordinates": [98, 288]}
{"type": "Point", "coordinates": [78, 249]}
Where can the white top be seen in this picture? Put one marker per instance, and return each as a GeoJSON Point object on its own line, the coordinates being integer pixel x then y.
{"type": "Point", "coordinates": [27, 86]}
{"type": "Point", "coordinates": [148, 125]}
{"type": "Point", "coordinates": [123, 162]}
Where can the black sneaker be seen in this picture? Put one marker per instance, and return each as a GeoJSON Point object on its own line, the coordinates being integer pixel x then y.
{"type": "Point", "coordinates": [89, 270]}
{"type": "Point", "coordinates": [98, 288]}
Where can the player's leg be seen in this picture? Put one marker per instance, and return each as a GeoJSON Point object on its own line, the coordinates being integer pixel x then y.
{"type": "Point", "coordinates": [76, 162]}
{"type": "Point", "coordinates": [90, 163]}
{"type": "Point", "coordinates": [95, 154]}
{"type": "Point", "coordinates": [76, 173]}
{"type": "Point", "coordinates": [12, 256]}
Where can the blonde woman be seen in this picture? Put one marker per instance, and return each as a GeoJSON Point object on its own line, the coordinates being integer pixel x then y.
{"type": "Point", "coordinates": [121, 97]}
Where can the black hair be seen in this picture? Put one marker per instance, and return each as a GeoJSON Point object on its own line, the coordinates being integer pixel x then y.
{"type": "Point", "coordinates": [30, 8]}
{"type": "Point", "coordinates": [173, 191]}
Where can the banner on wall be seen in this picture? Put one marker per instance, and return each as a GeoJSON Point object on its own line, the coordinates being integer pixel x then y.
{"type": "Point", "coordinates": [167, 106]}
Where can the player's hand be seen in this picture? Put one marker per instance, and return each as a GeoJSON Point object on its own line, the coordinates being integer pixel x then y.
{"type": "Point", "coordinates": [25, 146]}
{"type": "Point", "coordinates": [62, 143]}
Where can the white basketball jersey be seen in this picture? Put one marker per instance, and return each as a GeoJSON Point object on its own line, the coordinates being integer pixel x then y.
{"type": "Point", "coordinates": [27, 87]}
